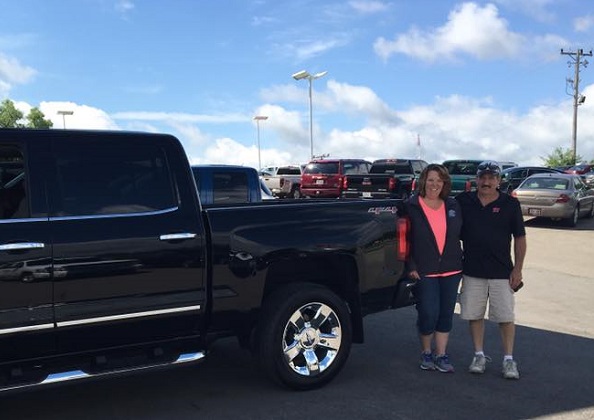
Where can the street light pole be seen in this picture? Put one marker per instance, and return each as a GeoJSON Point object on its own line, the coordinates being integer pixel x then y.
{"type": "Point", "coordinates": [63, 114]}
{"type": "Point", "coordinates": [310, 77]}
{"type": "Point", "coordinates": [259, 118]}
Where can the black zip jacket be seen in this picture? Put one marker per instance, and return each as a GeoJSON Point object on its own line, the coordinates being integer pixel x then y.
{"type": "Point", "coordinates": [424, 254]}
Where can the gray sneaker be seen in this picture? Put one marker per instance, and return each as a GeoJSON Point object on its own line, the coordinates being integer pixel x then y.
{"type": "Point", "coordinates": [442, 364]}
{"type": "Point", "coordinates": [427, 362]}
{"type": "Point", "coordinates": [478, 364]}
{"type": "Point", "coordinates": [510, 370]}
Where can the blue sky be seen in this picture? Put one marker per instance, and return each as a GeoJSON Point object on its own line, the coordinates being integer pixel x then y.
{"type": "Point", "coordinates": [480, 79]}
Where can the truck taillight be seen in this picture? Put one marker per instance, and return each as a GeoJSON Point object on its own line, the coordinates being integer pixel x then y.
{"type": "Point", "coordinates": [414, 185]}
{"type": "Point", "coordinates": [281, 182]}
{"type": "Point", "coordinates": [563, 198]}
{"type": "Point", "coordinates": [467, 186]}
{"type": "Point", "coordinates": [345, 183]}
{"type": "Point", "coordinates": [402, 228]}
{"type": "Point", "coordinates": [392, 184]}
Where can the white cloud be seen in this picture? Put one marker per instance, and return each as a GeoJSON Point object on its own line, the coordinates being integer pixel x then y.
{"type": "Point", "coordinates": [583, 23]}
{"type": "Point", "coordinates": [13, 72]}
{"type": "Point", "coordinates": [471, 29]}
{"type": "Point", "coordinates": [536, 9]}
{"type": "Point", "coordinates": [368, 6]}
{"type": "Point", "coordinates": [83, 117]}
{"type": "Point", "coordinates": [124, 6]}
{"type": "Point", "coordinates": [179, 117]}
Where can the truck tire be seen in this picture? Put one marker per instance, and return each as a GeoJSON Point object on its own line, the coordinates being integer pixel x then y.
{"type": "Point", "coordinates": [295, 193]}
{"type": "Point", "coordinates": [304, 337]}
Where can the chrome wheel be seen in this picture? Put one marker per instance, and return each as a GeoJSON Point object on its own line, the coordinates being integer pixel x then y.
{"type": "Point", "coordinates": [304, 335]}
{"type": "Point", "coordinates": [311, 339]}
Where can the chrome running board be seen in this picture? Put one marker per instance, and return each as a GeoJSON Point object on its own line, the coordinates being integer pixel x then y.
{"type": "Point", "coordinates": [74, 375]}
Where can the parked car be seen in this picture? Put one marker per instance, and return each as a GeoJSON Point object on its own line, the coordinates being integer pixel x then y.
{"type": "Point", "coordinates": [511, 178]}
{"type": "Point", "coordinates": [387, 178]}
{"type": "Point", "coordinates": [507, 165]}
{"type": "Point", "coordinates": [286, 182]}
{"type": "Point", "coordinates": [134, 272]}
{"type": "Point", "coordinates": [580, 169]}
{"type": "Point", "coordinates": [325, 177]}
{"type": "Point", "coordinates": [588, 178]}
{"type": "Point", "coordinates": [556, 195]}
{"type": "Point", "coordinates": [463, 174]}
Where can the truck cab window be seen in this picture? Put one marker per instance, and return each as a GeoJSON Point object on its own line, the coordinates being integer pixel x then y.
{"type": "Point", "coordinates": [105, 178]}
{"type": "Point", "coordinates": [14, 200]}
{"type": "Point", "coordinates": [230, 187]}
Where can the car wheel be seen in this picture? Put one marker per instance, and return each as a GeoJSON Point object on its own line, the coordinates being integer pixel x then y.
{"type": "Point", "coordinates": [591, 212]}
{"type": "Point", "coordinates": [295, 193]}
{"type": "Point", "coordinates": [27, 277]}
{"type": "Point", "coordinates": [305, 336]}
{"type": "Point", "coordinates": [574, 217]}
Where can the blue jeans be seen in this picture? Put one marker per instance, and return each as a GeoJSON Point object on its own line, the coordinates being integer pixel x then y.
{"type": "Point", "coordinates": [436, 303]}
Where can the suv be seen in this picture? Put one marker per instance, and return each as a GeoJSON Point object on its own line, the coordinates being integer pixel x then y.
{"type": "Point", "coordinates": [325, 178]}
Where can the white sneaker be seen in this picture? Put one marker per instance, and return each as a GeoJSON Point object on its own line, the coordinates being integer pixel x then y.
{"type": "Point", "coordinates": [510, 370]}
{"type": "Point", "coordinates": [478, 364]}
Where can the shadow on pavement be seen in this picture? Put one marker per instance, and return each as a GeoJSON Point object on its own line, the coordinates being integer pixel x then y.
{"type": "Point", "coordinates": [541, 222]}
{"type": "Point", "coordinates": [380, 381]}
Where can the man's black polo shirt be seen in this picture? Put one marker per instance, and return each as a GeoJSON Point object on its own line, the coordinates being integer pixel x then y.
{"type": "Point", "coordinates": [487, 233]}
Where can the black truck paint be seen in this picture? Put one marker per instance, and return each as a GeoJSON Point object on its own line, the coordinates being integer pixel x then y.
{"type": "Point", "coordinates": [130, 272]}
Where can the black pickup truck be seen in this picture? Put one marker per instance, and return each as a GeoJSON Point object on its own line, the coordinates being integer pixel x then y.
{"type": "Point", "coordinates": [110, 264]}
{"type": "Point", "coordinates": [387, 178]}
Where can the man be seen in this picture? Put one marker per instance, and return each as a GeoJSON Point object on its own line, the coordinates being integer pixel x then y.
{"type": "Point", "coordinates": [490, 219]}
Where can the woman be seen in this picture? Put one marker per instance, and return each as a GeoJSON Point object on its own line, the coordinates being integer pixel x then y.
{"type": "Point", "coordinates": [435, 262]}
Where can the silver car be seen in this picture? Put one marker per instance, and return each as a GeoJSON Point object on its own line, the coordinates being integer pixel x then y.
{"type": "Point", "coordinates": [558, 196]}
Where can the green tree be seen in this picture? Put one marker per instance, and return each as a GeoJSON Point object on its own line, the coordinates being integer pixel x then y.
{"type": "Point", "coordinates": [35, 119]}
{"type": "Point", "coordinates": [10, 117]}
{"type": "Point", "coordinates": [560, 157]}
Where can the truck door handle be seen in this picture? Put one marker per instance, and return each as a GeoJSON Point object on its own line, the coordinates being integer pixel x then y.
{"type": "Point", "coordinates": [21, 245]}
{"type": "Point", "coordinates": [176, 236]}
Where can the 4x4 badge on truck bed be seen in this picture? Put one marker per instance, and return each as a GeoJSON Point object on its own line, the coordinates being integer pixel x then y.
{"type": "Point", "coordinates": [378, 210]}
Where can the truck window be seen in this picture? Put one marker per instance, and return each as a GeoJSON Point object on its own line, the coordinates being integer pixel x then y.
{"type": "Point", "coordinates": [230, 187]}
{"type": "Point", "coordinates": [14, 200]}
{"type": "Point", "coordinates": [102, 177]}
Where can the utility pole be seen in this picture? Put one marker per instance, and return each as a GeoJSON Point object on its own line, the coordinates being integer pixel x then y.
{"type": "Point", "coordinates": [578, 99]}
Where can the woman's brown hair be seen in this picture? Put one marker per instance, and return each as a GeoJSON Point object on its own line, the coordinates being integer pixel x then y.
{"type": "Point", "coordinates": [444, 175]}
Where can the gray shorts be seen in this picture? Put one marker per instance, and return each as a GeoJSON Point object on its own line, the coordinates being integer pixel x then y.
{"type": "Point", "coordinates": [475, 293]}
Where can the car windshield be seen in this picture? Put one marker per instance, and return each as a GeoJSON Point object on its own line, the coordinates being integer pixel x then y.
{"type": "Point", "coordinates": [326, 168]}
{"type": "Point", "coordinates": [546, 184]}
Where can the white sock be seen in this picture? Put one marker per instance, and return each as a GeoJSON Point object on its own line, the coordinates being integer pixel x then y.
{"type": "Point", "coordinates": [508, 357]}
{"type": "Point", "coordinates": [479, 353]}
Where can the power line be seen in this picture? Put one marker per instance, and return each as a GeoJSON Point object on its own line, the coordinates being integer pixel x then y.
{"type": "Point", "coordinates": [578, 99]}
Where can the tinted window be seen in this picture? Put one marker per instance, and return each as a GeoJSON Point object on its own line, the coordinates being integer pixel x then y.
{"type": "Point", "coordinates": [461, 168]}
{"type": "Point", "coordinates": [107, 177]}
{"type": "Point", "coordinates": [14, 200]}
{"type": "Point", "coordinates": [289, 171]}
{"type": "Point", "coordinates": [327, 168]}
{"type": "Point", "coordinates": [230, 187]}
{"type": "Point", "coordinates": [397, 167]}
{"type": "Point", "coordinates": [353, 168]}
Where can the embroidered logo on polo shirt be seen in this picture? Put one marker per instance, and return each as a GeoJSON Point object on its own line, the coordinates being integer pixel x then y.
{"type": "Point", "coordinates": [452, 213]}
{"type": "Point", "coordinates": [496, 209]}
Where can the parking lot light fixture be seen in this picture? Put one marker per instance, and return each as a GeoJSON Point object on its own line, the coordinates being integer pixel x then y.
{"type": "Point", "coordinates": [300, 75]}
{"type": "Point", "coordinates": [259, 118]}
{"type": "Point", "coordinates": [63, 114]}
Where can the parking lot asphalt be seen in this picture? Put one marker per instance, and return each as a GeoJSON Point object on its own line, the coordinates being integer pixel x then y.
{"type": "Point", "coordinates": [381, 380]}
